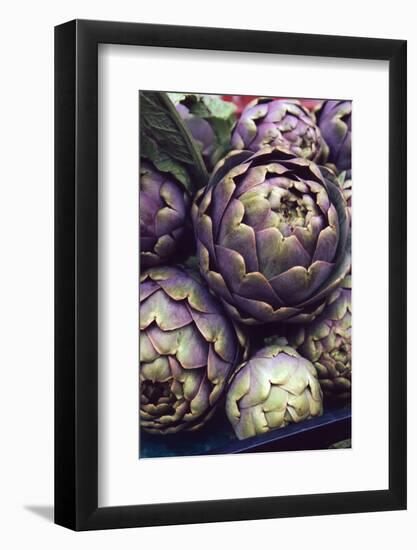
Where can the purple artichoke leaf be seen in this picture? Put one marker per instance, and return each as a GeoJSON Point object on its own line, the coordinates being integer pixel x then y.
{"type": "Point", "coordinates": [335, 279]}
{"type": "Point", "coordinates": [339, 201]}
{"type": "Point", "coordinates": [225, 164]}
{"type": "Point", "coordinates": [343, 181]}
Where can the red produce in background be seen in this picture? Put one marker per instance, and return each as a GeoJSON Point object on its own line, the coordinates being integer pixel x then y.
{"type": "Point", "coordinates": [242, 100]}
{"type": "Point", "coordinates": [239, 100]}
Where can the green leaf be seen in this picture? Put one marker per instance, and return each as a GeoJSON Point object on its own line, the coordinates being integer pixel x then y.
{"type": "Point", "coordinates": [218, 113]}
{"type": "Point", "coordinates": [175, 97]}
{"type": "Point", "coordinates": [218, 107]}
{"type": "Point", "coordinates": [166, 141]}
{"type": "Point", "coordinates": [222, 128]}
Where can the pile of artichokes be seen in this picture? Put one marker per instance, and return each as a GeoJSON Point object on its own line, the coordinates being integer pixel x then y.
{"type": "Point", "coordinates": [245, 252]}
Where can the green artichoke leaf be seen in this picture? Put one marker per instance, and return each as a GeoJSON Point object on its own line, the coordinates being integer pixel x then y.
{"type": "Point", "coordinates": [206, 106]}
{"type": "Point", "coordinates": [165, 163]}
{"type": "Point", "coordinates": [222, 130]}
{"type": "Point", "coordinates": [166, 141]}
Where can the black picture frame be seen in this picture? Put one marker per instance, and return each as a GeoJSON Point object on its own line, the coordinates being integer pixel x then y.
{"type": "Point", "coordinates": [76, 270]}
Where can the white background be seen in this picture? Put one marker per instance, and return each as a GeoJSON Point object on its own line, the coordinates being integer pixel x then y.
{"type": "Point", "coordinates": [26, 174]}
{"type": "Point", "coordinates": [122, 478]}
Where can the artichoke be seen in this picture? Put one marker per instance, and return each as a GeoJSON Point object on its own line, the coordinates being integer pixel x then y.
{"type": "Point", "coordinates": [201, 131]}
{"type": "Point", "coordinates": [273, 389]}
{"type": "Point", "coordinates": [188, 350]}
{"type": "Point", "coordinates": [279, 122]}
{"type": "Point", "coordinates": [334, 119]}
{"type": "Point", "coordinates": [343, 181]}
{"type": "Point", "coordinates": [326, 342]}
{"type": "Point", "coordinates": [209, 120]}
{"type": "Point", "coordinates": [272, 236]}
{"type": "Point", "coordinates": [345, 184]}
{"type": "Point", "coordinates": [163, 210]}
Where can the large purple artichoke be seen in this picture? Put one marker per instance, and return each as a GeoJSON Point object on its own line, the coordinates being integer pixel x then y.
{"type": "Point", "coordinates": [163, 210]}
{"type": "Point", "coordinates": [281, 122]}
{"type": "Point", "coordinates": [334, 119]}
{"type": "Point", "coordinates": [327, 343]}
{"type": "Point", "coordinates": [272, 236]}
{"type": "Point", "coordinates": [274, 388]}
{"type": "Point", "coordinates": [188, 350]}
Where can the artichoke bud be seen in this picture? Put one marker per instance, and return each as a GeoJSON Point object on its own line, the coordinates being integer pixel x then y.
{"type": "Point", "coordinates": [272, 236]}
{"type": "Point", "coordinates": [163, 210]}
{"type": "Point", "coordinates": [279, 122]}
{"type": "Point", "coordinates": [188, 351]}
{"type": "Point", "coordinates": [334, 119]}
{"type": "Point", "coordinates": [276, 387]}
{"type": "Point", "coordinates": [327, 343]}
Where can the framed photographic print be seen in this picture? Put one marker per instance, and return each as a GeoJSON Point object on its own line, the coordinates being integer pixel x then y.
{"type": "Point", "coordinates": [230, 274]}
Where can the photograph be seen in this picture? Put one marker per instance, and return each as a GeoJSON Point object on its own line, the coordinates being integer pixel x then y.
{"type": "Point", "coordinates": [245, 309]}
{"type": "Point", "coordinates": [189, 279]}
